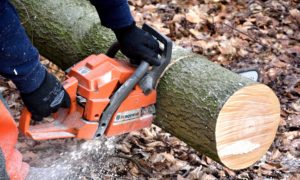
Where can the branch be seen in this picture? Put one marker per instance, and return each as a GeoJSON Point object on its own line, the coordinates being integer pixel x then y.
{"type": "Point", "coordinates": [267, 46]}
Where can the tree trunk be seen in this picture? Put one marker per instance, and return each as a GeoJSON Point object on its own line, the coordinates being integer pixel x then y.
{"type": "Point", "coordinates": [64, 31]}
{"type": "Point", "coordinates": [219, 113]}
{"type": "Point", "coordinates": [229, 118]}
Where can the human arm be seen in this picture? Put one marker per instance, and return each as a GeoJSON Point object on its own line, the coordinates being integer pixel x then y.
{"type": "Point", "coordinates": [135, 43]}
{"type": "Point", "coordinates": [41, 92]}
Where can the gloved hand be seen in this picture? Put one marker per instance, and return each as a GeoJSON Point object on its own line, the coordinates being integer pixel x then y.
{"type": "Point", "coordinates": [47, 99]}
{"type": "Point", "coordinates": [138, 45]}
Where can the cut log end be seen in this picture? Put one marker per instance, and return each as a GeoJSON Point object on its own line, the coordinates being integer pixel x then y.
{"type": "Point", "coordinates": [246, 126]}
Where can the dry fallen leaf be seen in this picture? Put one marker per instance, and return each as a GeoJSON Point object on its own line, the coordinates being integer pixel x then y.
{"type": "Point", "coordinates": [296, 14]}
{"type": "Point", "coordinates": [154, 144]}
{"type": "Point", "coordinates": [134, 171]}
{"type": "Point", "coordinates": [294, 120]}
{"type": "Point", "coordinates": [123, 148]}
{"type": "Point", "coordinates": [196, 173]}
{"type": "Point", "coordinates": [295, 147]}
{"type": "Point", "coordinates": [11, 85]}
{"type": "Point", "coordinates": [208, 177]}
{"type": "Point", "coordinates": [178, 165]}
{"type": "Point", "coordinates": [227, 48]}
{"type": "Point", "coordinates": [296, 106]}
{"type": "Point", "coordinates": [194, 15]}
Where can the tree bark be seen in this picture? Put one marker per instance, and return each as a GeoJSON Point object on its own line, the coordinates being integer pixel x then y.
{"type": "Point", "coordinates": [64, 31]}
{"type": "Point", "coordinates": [213, 110]}
{"type": "Point", "coordinates": [217, 112]}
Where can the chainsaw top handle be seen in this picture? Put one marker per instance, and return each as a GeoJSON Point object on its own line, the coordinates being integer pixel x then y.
{"type": "Point", "coordinates": [147, 80]}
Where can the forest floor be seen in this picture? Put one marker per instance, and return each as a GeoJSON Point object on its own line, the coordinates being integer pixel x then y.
{"type": "Point", "coordinates": [235, 34]}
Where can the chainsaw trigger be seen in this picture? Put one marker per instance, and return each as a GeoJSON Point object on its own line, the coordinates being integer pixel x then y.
{"type": "Point", "coordinates": [81, 100]}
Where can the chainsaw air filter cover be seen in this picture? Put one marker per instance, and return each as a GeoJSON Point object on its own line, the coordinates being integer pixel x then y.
{"type": "Point", "coordinates": [98, 78]}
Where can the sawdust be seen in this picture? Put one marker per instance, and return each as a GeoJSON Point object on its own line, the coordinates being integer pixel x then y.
{"type": "Point", "coordinates": [81, 160]}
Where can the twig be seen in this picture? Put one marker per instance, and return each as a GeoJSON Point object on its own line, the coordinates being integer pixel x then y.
{"type": "Point", "coordinates": [136, 162]}
{"type": "Point", "coordinates": [267, 46]}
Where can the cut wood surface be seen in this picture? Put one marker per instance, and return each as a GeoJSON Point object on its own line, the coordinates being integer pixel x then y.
{"type": "Point", "coordinates": [217, 112]}
{"type": "Point", "coordinates": [246, 125]}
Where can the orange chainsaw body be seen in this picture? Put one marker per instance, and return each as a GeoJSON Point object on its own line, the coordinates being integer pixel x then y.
{"type": "Point", "coordinates": [90, 84]}
{"type": "Point", "coordinates": [15, 168]}
{"type": "Point", "coordinates": [108, 97]}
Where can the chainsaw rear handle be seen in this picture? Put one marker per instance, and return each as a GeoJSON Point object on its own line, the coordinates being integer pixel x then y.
{"type": "Point", "coordinates": [70, 85]}
{"type": "Point", "coordinates": [149, 81]}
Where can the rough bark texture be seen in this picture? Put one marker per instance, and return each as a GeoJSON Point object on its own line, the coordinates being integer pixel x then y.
{"type": "Point", "coordinates": [64, 31]}
{"type": "Point", "coordinates": [190, 94]}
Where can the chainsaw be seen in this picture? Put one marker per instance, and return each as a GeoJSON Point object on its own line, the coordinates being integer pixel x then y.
{"type": "Point", "coordinates": [108, 97]}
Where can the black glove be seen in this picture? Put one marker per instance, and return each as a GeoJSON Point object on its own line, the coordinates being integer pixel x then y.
{"type": "Point", "coordinates": [47, 99]}
{"type": "Point", "coordinates": [138, 45]}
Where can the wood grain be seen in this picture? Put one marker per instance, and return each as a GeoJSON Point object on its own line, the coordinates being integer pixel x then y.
{"type": "Point", "coordinates": [246, 126]}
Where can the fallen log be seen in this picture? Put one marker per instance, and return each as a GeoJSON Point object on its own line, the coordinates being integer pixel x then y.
{"type": "Point", "coordinates": [219, 113]}
{"type": "Point", "coordinates": [64, 31]}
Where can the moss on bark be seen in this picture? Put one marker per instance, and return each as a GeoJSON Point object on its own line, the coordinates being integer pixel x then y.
{"type": "Point", "coordinates": [64, 31]}
{"type": "Point", "coordinates": [190, 96]}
